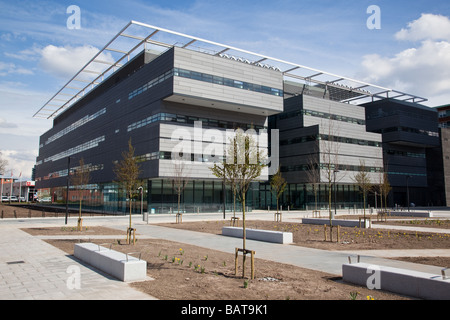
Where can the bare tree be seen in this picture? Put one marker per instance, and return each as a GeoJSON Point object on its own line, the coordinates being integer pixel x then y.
{"type": "Point", "coordinates": [127, 172]}
{"type": "Point", "coordinates": [246, 161]}
{"type": "Point", "coordinates": [362, 180]}
{"type": "Point", "coordinates": [80, 179]}
{"type": "Point", "coordinates": [180, 180]}
{"type": "Point", "coordinates": [385, 188]}
{"type": "Point", "coordinates": [228, 173]}
{"type": "Point", "coordinates": [278, 185]}
{"type": "Point", "coordinates": [313, 174]}
{"type": "Point", "coordinates": [3, 164]}
{"type": "Point", "coordinates": [329, 164]}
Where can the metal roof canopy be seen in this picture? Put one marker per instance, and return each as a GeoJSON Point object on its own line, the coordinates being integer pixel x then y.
{"type": "Point", "coordinates": [136, 35]}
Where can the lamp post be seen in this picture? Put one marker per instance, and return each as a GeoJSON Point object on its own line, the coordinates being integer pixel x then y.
{"type": "Point", "coordinates": [407, 190]}
{"type": "Point", "coordinates": [141, 189]}
{"type": "Point", "coordinates": [223, 194]}
{"type": "Point", "coordinates": [67, 190]}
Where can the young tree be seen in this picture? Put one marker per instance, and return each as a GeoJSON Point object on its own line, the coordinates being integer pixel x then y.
{"type": "Point", "coordinates": [278, 185]}
{"type": "Point", "coordinates": [246, 161]}
{"type": "Point", "coordinates": [329, 164]}
{"type": "Point", "coordinates": [228, 173]}
{"type": "Point", "coordinates": [362, 180]}
{"type": "Point", "coordinates": [385, 188]}
{"type": "Point", "coordinates": [127, 173]}
{"type": "Point", "coordinates": [180, 180]}
{"type": "Point", "coordinates": [249, 165]}
{"type": "Point", "coordinates": [80, 179]}
{"type": "Point", "coordinates": [313, 175]}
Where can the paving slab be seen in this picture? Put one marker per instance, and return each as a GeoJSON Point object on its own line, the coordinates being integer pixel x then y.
{"type": "Point", "coordinates": [32, 269]}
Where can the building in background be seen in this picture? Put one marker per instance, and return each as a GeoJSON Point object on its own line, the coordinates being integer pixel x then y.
{"type": "Point", "coordinates": [21, 190]}
{"type": "Point", "coordinates": [324, 142]}
{"type": "Point", "coordinates": [444, 132]}
{"type": "Point", "coordinates": [444, 116]}
{"type": "Point", "coordinates": [411, 150]}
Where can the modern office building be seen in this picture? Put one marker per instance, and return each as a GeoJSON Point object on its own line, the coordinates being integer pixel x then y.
{"type": "Point", "coordinates": [174, 94]}
{"type": "Point", "coordinates": [324, 142]}
{"type": "Point", "coordinates": [444, 132]}
{"type": "Point", "coordinates": [444, 116]}
{"type": "Point", "coordinates": [411, 147]}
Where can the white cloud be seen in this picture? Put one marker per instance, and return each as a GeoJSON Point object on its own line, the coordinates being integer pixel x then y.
{"type": "Point", "coordinates": [66, 61]}
{"type": "Point", "coordinates": [11, 68]}
{"type": "Point", "coordinates": [6, 124]}
{"type": "Point", "coordinates": [427, 27]}
{"type": "Point", "coordinates": [423, 69]}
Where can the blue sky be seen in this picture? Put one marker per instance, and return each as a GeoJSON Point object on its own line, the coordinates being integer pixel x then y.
{"type": "Point", "coordinates": [411, 51]}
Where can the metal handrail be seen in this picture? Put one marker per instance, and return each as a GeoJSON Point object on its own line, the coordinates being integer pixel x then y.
{"type": "Point", "coordinates": [110, 246]}
{"type": "Point", "coordinates": [350, 259]}
{"type": "Point", "coordinates": [129, 253]}
{"type": "Point", "coordinates": [444, 277]}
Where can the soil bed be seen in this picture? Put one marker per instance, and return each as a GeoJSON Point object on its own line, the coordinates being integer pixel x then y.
{"type": "Point", "coordinates": [350, 238]}
{"type": "Point", "coordinates": [186, 272]}
{"type": "Point", "coordinates": [426, 223]}
{"type": "Point", "coordinates": [195, 273]}
{"type": "Point", "coordinates": [64, 231]}
{"type": "Point", "coordinates": [312, 236]}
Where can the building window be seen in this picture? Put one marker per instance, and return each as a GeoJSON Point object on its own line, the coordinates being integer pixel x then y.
{"type": "Point", "coordinates": [226, 82]}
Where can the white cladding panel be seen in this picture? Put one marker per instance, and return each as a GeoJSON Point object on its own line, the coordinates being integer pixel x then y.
{"type": "Point", "coordinates": [218, 96]}
{"type": "Point", "coordinates": [205, 144]}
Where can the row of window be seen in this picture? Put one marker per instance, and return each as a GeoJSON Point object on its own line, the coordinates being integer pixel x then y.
{"type": "Point", "coordinates": [402, 113]}
{"type": "Point", "coordinates": [150, 84]}
{"type": "Point", "coordinates": [80, 148]}
{"type": "Point", "coordinates": [169, 117]}
{"type": "Point", "coordinates": [205, 78]}
{"type": "Point", "coordinates": [74, 126]}
{"type": "Point", "coordinates": [406, 154]}
{"type": "Point", "coordinates": [226, 82]}
{"type": "Point", "coordinates": [323, 166]}
{"type": "Point", "coordinates": [326, 137]}
{"type": "Point", "coordinates": [409, 174]}
{"type": "Point", "coordinates": [319, 114]}
{"type": "Point", "coordinates": [63, 173]}
{"type": "Point", "coordinates": [410, 130]}
{"type": "Point", "coordinates": [360, 142]}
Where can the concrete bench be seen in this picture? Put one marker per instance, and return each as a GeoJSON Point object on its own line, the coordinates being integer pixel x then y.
{"type": "Point", "coordinates": [417, 214]}
{"type": "Point", "coordinates": [337, 222]}
{"type": "Point", "coordinates": [261, 235]}
{"type": "Point", "coordinates": [119, 265]}
{"type": "Point", "coordinates": [402, 281]}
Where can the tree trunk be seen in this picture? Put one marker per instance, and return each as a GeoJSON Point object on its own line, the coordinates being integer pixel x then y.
{"type": "Point", "coordinates": [364, 206]}
{"type": "Point", "coordinates": [234, 204]}
{"type": "Point", "coordinates": [79, 217]}
{"type": "Point", "coordinates": [315, 196]}
{"type": "Point", "coordinates": [243, 233]}
{"type": "Point", "coordinates": [129, 195]}
{"type": "Point", "coordinates": [329, 209]}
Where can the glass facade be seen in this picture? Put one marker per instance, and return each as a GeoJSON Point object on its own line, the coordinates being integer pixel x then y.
{"type": "Point", "coordinates": [197, 196]}
{"type": "Point", "coordinates": [201, 196]}
{"type": "Point", "coordinates": [301, 196]}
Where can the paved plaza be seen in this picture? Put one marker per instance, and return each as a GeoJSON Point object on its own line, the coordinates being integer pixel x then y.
{"type": "Point", "coordinates": [30, 268]}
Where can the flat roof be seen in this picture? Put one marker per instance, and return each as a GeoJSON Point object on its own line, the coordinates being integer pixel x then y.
{"type": "Point", "coordinates": [138, 36]}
